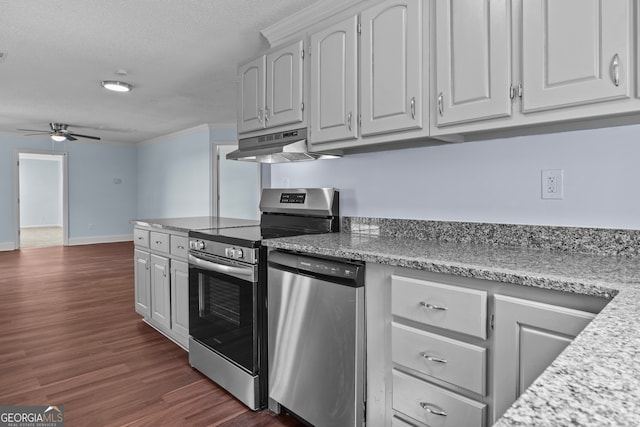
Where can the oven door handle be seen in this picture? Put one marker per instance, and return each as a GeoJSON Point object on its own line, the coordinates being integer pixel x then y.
{"type": "Point", "coordinates": [221, 268]}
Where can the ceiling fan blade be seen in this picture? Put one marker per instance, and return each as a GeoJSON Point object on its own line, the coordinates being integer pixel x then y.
{"type": "Point", "coordinates": [33, 130]}
{"type": "Point", "coordinates": [70, 138]}
{"type": "Point", "coordinates": [84, 136]}
{"type": "Point", "coordinates": [39, 133]}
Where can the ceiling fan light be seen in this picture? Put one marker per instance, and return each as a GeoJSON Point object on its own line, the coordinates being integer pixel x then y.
{"type": "Point", "coordinates": [58, 138]}
{"type": "Point", "coordinates": [116, 86]}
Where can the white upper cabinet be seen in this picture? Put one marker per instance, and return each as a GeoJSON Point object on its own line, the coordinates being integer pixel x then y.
{"type": "Point", "coordinates": [391, 67]}
{"type": "Point", "coordinates": [271, 91]}
{"type": "Point", "coordinates": [473, 48]}
{"type": "Point", "coordinates": [252, 96]}
{"type": "Point", "coordinates": [334, 82]}
{"type": "Point", "coordinates": [284, 86]}
{"type": "Point", "coordinates": [574, 52]}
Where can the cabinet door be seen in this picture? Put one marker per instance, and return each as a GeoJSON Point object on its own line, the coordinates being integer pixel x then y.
{"type": "Point", "coordinates": [528, 337]}
{"type": "Point", "coordinates": [574, 52]}
{"type": "Point", "coordinates": [160, 291]}
{"type": "Point", "coordinates": [252, 96]}
{"type": "Point", "coordinates": [180, 299]}
{"type": "Point", "coordinates": [142, 287]}
{"type": "Point", "coordinates": [334, 80]}
{"type": "Point", "coordinates": [284, 86]}
{"type": "Point", "coordinates": [391, 67]}
{"type": "Point", "coordinates": [473, 48]}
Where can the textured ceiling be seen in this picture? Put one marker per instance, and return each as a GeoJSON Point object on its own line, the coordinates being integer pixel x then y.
{"type": "Point", "coordinates": [180, 56]}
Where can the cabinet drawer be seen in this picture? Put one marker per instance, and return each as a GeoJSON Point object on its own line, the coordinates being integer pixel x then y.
{"type": "Point", "coordinates": [179, 246]}
{"type": "Point", "coordinates": [450, 307]}
{"type": "Point", "coordinates": [449, 360]}
{"type": "Point", "coordinates": [141, 237]}
{"type": "Point", "coordinates": [433, 405]}
{"type": "Point", "coordinates": [159, 241]}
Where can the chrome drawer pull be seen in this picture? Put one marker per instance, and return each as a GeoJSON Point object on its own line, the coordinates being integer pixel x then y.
{"type": "Point", "coordinates": [180, 247]}
{"type": "Point", "coordinates": [432, 409]}
{"type": "Point", "coordinates": [433, 358]}
{"type": "Point", "coordinates": [432, 307]}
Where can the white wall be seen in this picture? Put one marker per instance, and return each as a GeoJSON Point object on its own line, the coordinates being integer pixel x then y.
{"type": "Point", "coordinates": [41, 192]}
{"type": "Point", "coordinates": [94, 198]}
{"type": "Point", "coordinates": [495, 181]}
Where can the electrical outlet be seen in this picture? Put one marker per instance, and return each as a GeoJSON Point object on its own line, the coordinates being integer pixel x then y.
{"type": "Point", "coordinates": [551, 184]}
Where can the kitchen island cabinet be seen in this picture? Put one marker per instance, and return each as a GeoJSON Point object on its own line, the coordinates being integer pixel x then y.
{"type": "Point", "coordinates": [161, 281]}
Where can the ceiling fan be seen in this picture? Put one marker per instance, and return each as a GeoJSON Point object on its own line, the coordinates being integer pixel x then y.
{"type": "Point", "coordinates": [59, 132]}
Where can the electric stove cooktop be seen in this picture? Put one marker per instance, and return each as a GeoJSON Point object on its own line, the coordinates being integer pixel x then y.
{"type": "Point", "coordinates": [243, 236]}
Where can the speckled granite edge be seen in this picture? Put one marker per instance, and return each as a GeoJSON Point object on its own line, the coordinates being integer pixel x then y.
{"type": "Point", "coordinates": [599, 241]}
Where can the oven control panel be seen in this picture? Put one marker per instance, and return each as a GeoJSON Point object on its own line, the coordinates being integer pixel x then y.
{"type": "Point", "coordinates": [237, 253]}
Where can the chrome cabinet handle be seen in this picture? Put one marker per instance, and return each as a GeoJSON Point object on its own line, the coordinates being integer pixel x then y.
{"type": "Point", "coordinates": [260, 115]}
{"type": "Point", "coordinates": [412, 105]}
{"type": "Point", "coordinates": [432, 306]}
{"type": "Point", "coordinates": [180, 247]}
{"type": "Point", "coordinates": [349, 116]}
{"type": "Point", "coordinates": [146, 264]}
{"type": "Point", "coordinates": [432, 409]}
{"type": "Point", "coordinates": [441, 104]}
{"type": "Point", "coordinates": [266, 115]}
{"type": "Point", "coordinates": [158, 242]}
{"type": "Point", "coordinates": [164, 271]}
{"type": "Point", "coordinates": [433, 358]}
{"type": "Point", "coordinates": [140, 237]}
{"type": "Point", "coordinates": [615, 65]}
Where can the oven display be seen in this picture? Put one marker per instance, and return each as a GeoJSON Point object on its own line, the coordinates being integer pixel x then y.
{"type": "Point", "coordinates": [293, 198]}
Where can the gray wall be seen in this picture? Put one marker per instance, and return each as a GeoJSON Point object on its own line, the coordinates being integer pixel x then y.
{"type": "Point", "coordinates": [495, 181]}
{"type": "Point", "coordinates": [94, 197]}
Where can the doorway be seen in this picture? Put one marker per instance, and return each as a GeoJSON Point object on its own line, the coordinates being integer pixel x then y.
{"type": "Point", "coordinates": [40, 205]}
{"type": "Point", "coordinates": [236, 185]}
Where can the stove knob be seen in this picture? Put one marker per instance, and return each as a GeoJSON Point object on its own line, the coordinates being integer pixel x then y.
{"type": "Point", "coordinates": [198, 245]}
{"type": "Point", "coordinates": [228, 252]}
{"type": "Point", "coordinates": [239, 253]}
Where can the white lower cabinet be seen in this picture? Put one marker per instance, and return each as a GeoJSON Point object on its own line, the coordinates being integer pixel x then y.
{"type": "Point", "coordinates": [528, 336]}
{"type": "Point", "coordinates": [180, 299]}
{"type": "Point", "coordinates": [160, 291]}
{"type": "Point", "coordinates": [162, 282]}
{"type": "Point", "coordinates": [434, 406]}
{"type": "Point", "coordinates": [444, 350]}
{"type": "Point", "coordinates": [142, 282]}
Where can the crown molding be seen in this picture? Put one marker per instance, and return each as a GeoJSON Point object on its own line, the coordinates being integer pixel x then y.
{"type": "Point", "coordinates": [305, 18]}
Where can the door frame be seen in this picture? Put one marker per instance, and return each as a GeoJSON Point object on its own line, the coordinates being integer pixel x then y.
{"type": "Point", "coordinates": [16, 193]}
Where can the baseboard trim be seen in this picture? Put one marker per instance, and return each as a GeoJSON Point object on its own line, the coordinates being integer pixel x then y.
{"type": "Point", "coordinates": [90, 240]}
{"type": "Point", "coordinates": [7, 246]}
{"type": "Point", "coordinates": [42, 226]}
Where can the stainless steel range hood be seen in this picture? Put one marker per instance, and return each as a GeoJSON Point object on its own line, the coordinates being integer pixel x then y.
{"type": "Point", "coordinates": [288, 146]}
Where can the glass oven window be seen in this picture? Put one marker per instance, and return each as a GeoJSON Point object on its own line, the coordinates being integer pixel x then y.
{"type": "Point", "coordinates": [222, 315]}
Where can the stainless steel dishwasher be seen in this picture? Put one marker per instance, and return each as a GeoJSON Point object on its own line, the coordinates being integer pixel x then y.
{"type": "Point", "coordinates": [316, 338]}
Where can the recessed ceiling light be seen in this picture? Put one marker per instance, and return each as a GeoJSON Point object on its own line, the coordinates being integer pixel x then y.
{"type": "Point", "coordinates": [116, 86]}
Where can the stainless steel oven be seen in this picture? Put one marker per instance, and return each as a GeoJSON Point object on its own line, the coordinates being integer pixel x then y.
{"type": "Point", "coordinates": [228, 288]}
{"type": "Point", "coordinates": [225, 317]}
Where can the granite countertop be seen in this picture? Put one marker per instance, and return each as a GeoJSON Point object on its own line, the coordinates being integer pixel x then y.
{"type": "Point", "coordinates": [595, 381]}
{"type": "Point", "coordinates": [185, 224]}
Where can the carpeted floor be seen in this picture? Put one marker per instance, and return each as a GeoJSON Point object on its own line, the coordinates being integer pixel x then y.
{"type": "Point", "coordinates": [38, 237]}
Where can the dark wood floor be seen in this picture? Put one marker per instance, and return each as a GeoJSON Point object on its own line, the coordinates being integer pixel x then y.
{"type": "Point", "coordinates": [69, 336]}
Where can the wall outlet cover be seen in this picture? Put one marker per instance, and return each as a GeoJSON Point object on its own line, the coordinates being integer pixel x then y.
{"type": "Point", "coordinates": [552, 186]}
